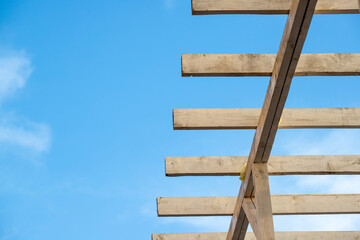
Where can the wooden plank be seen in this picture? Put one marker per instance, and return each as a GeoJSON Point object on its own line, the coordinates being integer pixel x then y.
{"type": "Point", "coordinates": [296, 28]}
{"type": "Point", "coordinates": [332, 235]}
{"type": "Point", "coordinates": [277, 165]}
{"type": "Point", "coordinates": [262, 200]}
{"type": "Point", "coordinates": [202, 7]}
{"type": "Point", "coordinates": [281, 205]}
{"type": "Point", "coordinates": [329, 64]}
{"type": "Point", "coordinates": [248, 118]}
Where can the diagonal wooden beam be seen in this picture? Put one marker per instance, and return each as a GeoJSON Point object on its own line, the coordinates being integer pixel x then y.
{"type": "Point", "coordinates": [250, 211]}
{"type": "Point", "coordinates": [280, 204]}
{"type": "Point", "coordinates": [296, 28]}
{"type": "Point", "coordinates": [329, 64]}
{"type": "Point", "coordinates": [343, 235]}
{"type": "Point", "coordinates": [248, 118]}
{"type": "Point", "coordinates": [203, 7]}
{"type": "Point", "coordinates": [277, 165]}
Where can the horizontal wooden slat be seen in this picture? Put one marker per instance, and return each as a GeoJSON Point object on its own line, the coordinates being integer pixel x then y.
{"type": "Point", "coordinates": [332, 235]}
{"type": "Point", "coordinates": [277, 165]}
{"type": "Point", "coordinates": [269, 7]}
{"type": "Point", "coordinates": [281, 205]}
{"type": "Point", "coordinates": [247, 118]}
{"type": "Point", "coordinates": [330, 64]}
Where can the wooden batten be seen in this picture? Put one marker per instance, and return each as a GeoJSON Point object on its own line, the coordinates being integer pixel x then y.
{"type": "Point", "coordinates": [203, 7]}
{"type": "Point", "coordinates": [330, 64]}
{"type": "Point", "coordinates": [277, 165]}
{"type": "Point", "coordinates": [248, 118]}
{"type": "Point", "coordinates": [345, 235]}
{"type": "Point", "coordinates": [281, 205]}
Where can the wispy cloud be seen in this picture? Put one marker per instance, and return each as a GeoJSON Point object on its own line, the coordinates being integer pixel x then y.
{"type": "Point", "coordinates": [336, 142]}
{"type": "Point", "coordinates": [15, 70]}
{"type": "Point", "coordinates": [169, 4]}
{"type": "Point", "coordinates": [317, 223]}
{"type": "Point", "coordinates": [28, 135]}
{"type": "Point", "coordinates": [213, 224]}
{"type": "Point", "coordinates": [332, 142]}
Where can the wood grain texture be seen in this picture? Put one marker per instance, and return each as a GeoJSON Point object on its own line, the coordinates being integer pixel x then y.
{"type": "Point", "coordinates": [202, 7]}
{"type": "Point", "coordinates": [250, 211]}
{"type": "Point", "coordinates": [330, 64]}
{"type": "Point", "coordinates": [277, 165]}
{"type": "Point", "coordinates": [248, 118]}
{"type": "Point", "coordinates": [281, 205]}
{"type": "Point", "coordinates": [263, 208]}
{"type": "Point", "coordinates": [343, 235]}
{"type": "Point", "coordinates": [295, 32]}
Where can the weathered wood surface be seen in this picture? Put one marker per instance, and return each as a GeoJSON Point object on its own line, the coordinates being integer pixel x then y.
{"type": "Point", "coordinates": [343, 235]}
{"type": "Point", "coordinates": [277, 165]}
{"type": "Point", "coordinates": [263, 208]}
{"type": "Point", "coordinates": [329, 64]}
{"type": "Point", "coordinates": [202, 7]}
{"type": "Point", "coordinates": [296, 29]}
{"type": "Point", "coordinates": [281, 205]}
{"type": "Point", "coordinates": [251, 215]}
{"type": "Point", "coordinates": [248, 118]}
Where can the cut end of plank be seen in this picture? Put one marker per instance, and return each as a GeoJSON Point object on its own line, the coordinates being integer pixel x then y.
{"type": "Point", "coordinates": [184, 60]}
{"type": "Point", "coordinates": [173, 119]}
{"type": "Point", "coordinates": [157, 204]}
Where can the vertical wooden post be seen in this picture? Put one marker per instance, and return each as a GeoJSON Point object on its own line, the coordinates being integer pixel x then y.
{"type": "Point", "coordinates": [263, 202]}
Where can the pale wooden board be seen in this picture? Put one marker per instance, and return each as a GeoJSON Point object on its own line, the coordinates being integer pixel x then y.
{"type": "Point", "coordinates": [201, 7]}
{"type": "Point", "coordinates": [277, 165]}
{"type": "Point", "coordinates": [248, 118]}
{"type": "Point", "coordinates": [329, 64]}
{"type": "Point", "coordinates": [263, 207]}
{"type": "Point", "coordinates": [281, 205]}
{"type": "Point", "coordinates": [341, 235]}
{"type": "Point", "coordinates": [295, 32]}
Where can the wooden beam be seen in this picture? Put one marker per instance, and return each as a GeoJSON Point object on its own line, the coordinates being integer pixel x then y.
{"type": "Point", "coordinates": [277, 165]}
{"type": "Point", "coordinates": [250, 211]}
{"type": "Point", "coordinates": [215, 118]}
{"type": "Point", "coordinates": [330, 64]}
{"type": "Point", "coordinates": [281, 205]}
{"type": "Point", "coordinates": [202, 7]}
{"type": "Point", "coordinates": [345, 235]}
{"type": "Point", "coordinates": [248, 118]}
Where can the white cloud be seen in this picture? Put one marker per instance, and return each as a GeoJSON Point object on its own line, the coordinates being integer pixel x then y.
{"type": "Point", "coordinates": [31, 136]}
{"type": "Point", "coordinates": [330, 142]}
{"type": "Point", "coordinates": [336, 142]}
{"type": "Point", "coordinates": [15, 69]}
{"type": "Point", "coordinates": [317, 223]}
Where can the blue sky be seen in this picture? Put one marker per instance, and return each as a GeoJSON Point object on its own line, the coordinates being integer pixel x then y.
{"type": "Point", "coordinates": [86, 94]}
